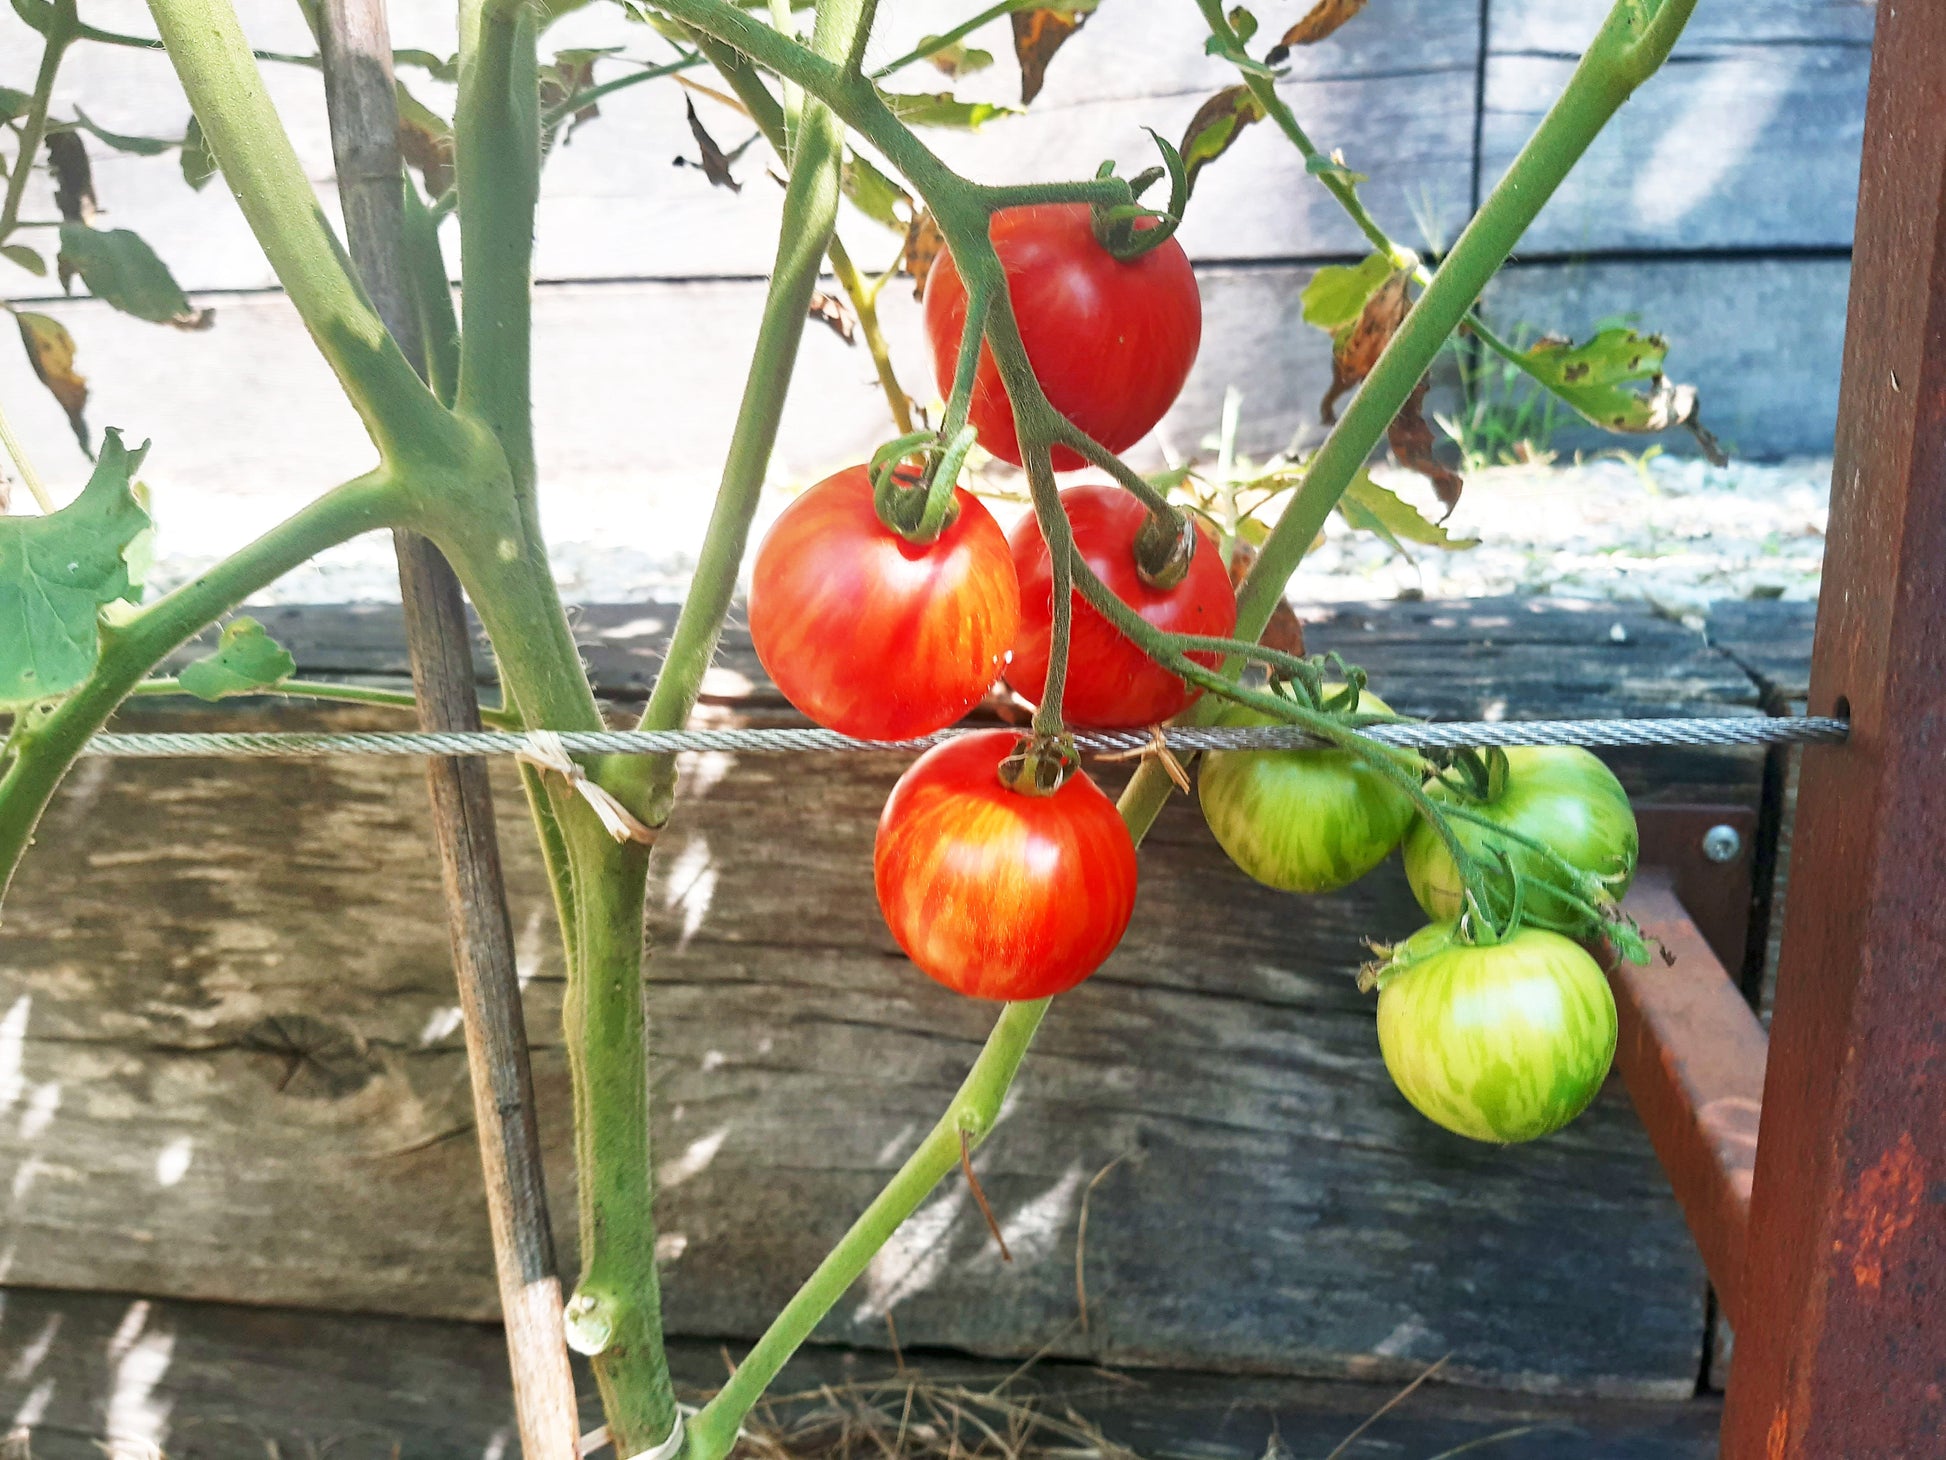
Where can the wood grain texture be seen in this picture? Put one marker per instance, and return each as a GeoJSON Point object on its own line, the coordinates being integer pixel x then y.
{"type": "Point", "coordinates": [252, 1088]}
{"type": "Point", "coordinates": [212, 1382]}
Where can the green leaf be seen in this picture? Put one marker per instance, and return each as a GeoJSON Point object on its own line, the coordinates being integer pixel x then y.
{"type": "Point", "coordinates": [1615, 380]}
{"type": "Point", "coordinates": [1337, 293]}
{"type": "Point", "coordinates": [246, 660]}
{"type": "Point", "coordinates": [1371, 508]}
{"type": "Point", "coordinates": [440, 68]}
{"type": "Point", "coordinates": [876, 195]}
{"type": "Point", "coordinates": [1318, 165]}
{"type": "Point", "coordinates": [25, 257]}
{"type": "Point", "coordinates": [1243, 23]}
{"type": "Point", "coordinates": [123, 271]}
{"type": "Point", "coordinates": [198, 162]}
{"type": "Point", "coordinates": [943, 109]}
{"type": "Point", "coordinates": [57, 573]}
{"type": "Point", "coordinates": [13, 103]}
{"type": "Point", "coordinates": [122, 142]}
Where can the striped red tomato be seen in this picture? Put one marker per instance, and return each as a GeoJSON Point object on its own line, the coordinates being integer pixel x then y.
{"type": "Point", "coordinates": [994, 893]}
{"type": "Point", "coordinates": [873, 635]}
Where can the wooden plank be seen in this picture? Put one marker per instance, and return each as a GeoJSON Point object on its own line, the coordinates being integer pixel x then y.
{"type": "Point", "coordinates": [1692, 1054]}
{"type": "Point", "coordinates": [253, 1089]}
{"type": "Point", "coordinates": [1747, 139]}
{"type": "Point", "coordinates": [1841, 1350]}
{"type": "Point", "coordinates": [227, 1383]}
{"type": "Point", "coordinates": [1760, 338]}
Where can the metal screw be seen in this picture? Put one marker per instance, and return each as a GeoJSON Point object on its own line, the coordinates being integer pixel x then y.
{"type": "Point", "coordinates": [1722, 844]}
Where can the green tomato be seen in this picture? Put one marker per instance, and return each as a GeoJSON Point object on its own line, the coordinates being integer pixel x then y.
{"type": "Point", "coordinates": [1558, 795]}
{"type": "Point", "coordinates": [1502, 1042]}
{"type": "Point", "coordinates": [1301, 820]}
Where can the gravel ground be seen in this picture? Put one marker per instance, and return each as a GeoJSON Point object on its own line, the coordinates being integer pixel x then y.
{"type": "Point", "coordinates": [1679, 533]}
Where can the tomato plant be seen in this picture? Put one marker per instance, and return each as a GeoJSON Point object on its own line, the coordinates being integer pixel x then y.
{"type": "Point", "coordinates": [996, 893]}
{"type": "Point", "coordinates": [871, 634]}
{"type": "Point", "coordinates": [1559, 795]}
{"type": "Point", "coordinates": [1501, 1042]}
{"type": "Point", "coordinates": [1111, 340]}
{"type": "Point", "coordinates": [1112, 681]}
{"type": "Point", "coordinates": [1300, 820]}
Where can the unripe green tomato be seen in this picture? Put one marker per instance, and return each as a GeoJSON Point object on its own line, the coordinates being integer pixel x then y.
{"type": "Point", "coordinates": [1502, 1042]}
{"type": "Point", "coordinates": [1301, 820]}
{"type": "Point", "coordinates": [1559, 795]}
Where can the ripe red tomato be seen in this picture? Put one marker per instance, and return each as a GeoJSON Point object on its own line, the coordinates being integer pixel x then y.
{"type": "Point", "coordinates": [1111, 683]}
{"type": "Point", "coordinates": [1110, 340]}
{"type": "Point", "coordinates": [870, 634]}
{"type": "Point", "coordinates": [996, 894]}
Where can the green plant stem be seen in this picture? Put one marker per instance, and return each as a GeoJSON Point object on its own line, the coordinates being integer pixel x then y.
{"type": "Point", "coordinates": [248, 140]}
{"type": "Point", "coordinates": [864, 304]}
{"type": "Point", "coordinates": [43, 751]}
{"type": "Point", "coordinates": [344, 694]}
{"type": "Point", "coordinates": [62, 29]}
{"type": "Point", "coordinates": [17, 453]}
{"type": "Point", "coordinates": [432, 297]}
{"type": "Point", "coordinates": [810, 213]}
{"type": "Point", "coordinates": [974, 1110]}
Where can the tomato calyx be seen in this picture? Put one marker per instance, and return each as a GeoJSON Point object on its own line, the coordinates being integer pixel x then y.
{"type": "Point", "coordinates": [1040, 766]}
{"type": "Point", "coordinates": [1164, 549]}
{"type": "Point", "coordinates": [916, 501]}
{"type": "Point", "coordinates": [1120, 227]}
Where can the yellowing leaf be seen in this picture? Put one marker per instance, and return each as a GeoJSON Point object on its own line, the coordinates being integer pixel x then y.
{"type": "Point", "coordinates": [1615, 380]}
{"type": "Point", "coordinates": [1216, 125]}
{"type": "Point", "coordinates": [1038, 34]}
{"type": "Point", "coordinates": [50, 350]}
{"type": "Point", "coordinates": [1337, 292]}
{"type": "Point", "coordinates": [1386, 515]}
{"type": "Point", "coordinates": [943, 109]}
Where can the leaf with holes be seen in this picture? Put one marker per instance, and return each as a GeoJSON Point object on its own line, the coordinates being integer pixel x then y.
{"type": "Point", "coordinates": [124, 272]}
{"type": "Point", "coordinates": [1615, 380]}
{"type": "Point", "coordinates": [50, 350]}
{"type": "Point", "coordinates": [876, 195]}
{"type": "Point", "coordinates": [1371, 508]}
{"type": "Point", "coordinates": [198, 162]}
{"type": "Point", "coordinates": [1323, 19]}
{"type": "Point", "coordinates": [1410, 437]}
{"type": "Point", "coordinates": [943, 109]}
{"type": "Point", "coordinates": [57, 573]}
{"type": "Point", "coordinates": [1038, 34]}
{"type": "Point", "coordinates": [1356, 347]}
{"type": "Point", "coordinates": [1217, 123]}
{"type": "Point", "coordinates": [245, 660]}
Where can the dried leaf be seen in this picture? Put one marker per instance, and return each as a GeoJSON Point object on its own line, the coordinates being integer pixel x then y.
{"type": "Point", "coordinates": [1386, 515]}
{"type": "Point", "coordinates": [958, 59]}
{"type": "Point", "coordinates": [572, 72]}
{"type": "Point", "coordinates": [1284, 632]}
{"type": "Point", "coordinates": [1600, 379]}
{"type": "Point", "coordinates": [1410, 436]}
{"type": "Point", "coordinates": [716, 163]}
{"type": "Point", "coordinates": [426, 142]}
{"type": "Point", "coordinates": [923, 241]}
{"type": "Point", "coordinates": [74, 179]}
{"type": "Point", "coordinates": [1356, 348]}
{"type": "Point", "coordinates": [1038, 34]}
{"type": "Point", "coordinates": [50, 350]}
{"type": "Point", "coordinates": [1217, 124]}
{"type": "Point", "coordinates": [1324, 18]}
{"type": "Point", "coordinates": [830, 310]}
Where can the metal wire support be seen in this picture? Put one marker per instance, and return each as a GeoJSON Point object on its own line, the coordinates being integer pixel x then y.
{"type": "Point", "coordinates": [1445, 735]}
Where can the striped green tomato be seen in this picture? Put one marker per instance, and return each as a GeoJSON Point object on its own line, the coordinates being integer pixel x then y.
{"type": "Point", "coordinates": [1301, 820]}
{"type": "Point", "coordinates": [1503, 1042]}
{"type": "Point", "coordinates": [1558, 795]}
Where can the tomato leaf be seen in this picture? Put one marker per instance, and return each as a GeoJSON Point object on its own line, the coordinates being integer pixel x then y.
{"type": "Point", "coordinates": [1615, 380]}
{"type": "Point", "coordinates": [1038, 34]}
{"type": "Point", "coordinates": [829, 310]}
{"type": "Point", "coordinates": [1410, 437]}
{"type": "Point", "coordinates": [923, 241]}
{"type": "Point", "coordinates": [50, 350]}
{"type": "Point", "coordinates": [124, 272]}
{"type": "Point", "coordinates": [439, 68]}
{"type": "Point", "coordinates": [198, 162]}
{"type": "Point", "coordinates": [121, 141]}
{"type": "Point", "coordinates": [425, 141]}
{"type": "Point", "coordinates": [876, 195]}
{"type": "Point", "coordinates": [1337, 292]}
{"type": "Point", "coordinates": [1372, 508]}
{"type": "Point", "coordinates": [1217, 124]}
{"type": "Point", "coordinates": [1355, 348]}
{"type": "Point", "coordinates": [56, 575]}
{"type": "Point", "coordinates": [24, 257]}
{"type": "Point", "coordinates": [1243, 23]}
{"type": "Point", "coordinates": [74, 178]}
{"type": "Point", "coordinates": [1285, 631]}
{"type": "Point", "coordinates": [1324, 18]}
{"type": "Point", "coordinates": [1318, 165]}
{"type": "Point", "coordinates": [957, 59]}
{"type": "Point", "coordinates": [246, 659]}
{"type": "Point", "coordinates": [14, 104]}
{"type": "Point", "coordinates": [943, 109]}
{"type": "Point", "coordinates": [716, 162]}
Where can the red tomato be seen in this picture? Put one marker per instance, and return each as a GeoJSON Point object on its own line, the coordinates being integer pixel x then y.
{"type": "Point", "coordinates": [996, 894]}
{"type": "Point", "coordinates": [1110, 340]}
{"type": "Point", "coordinates": [870, 634]}
{"type": "Point", "coordinates": [1111, 683]}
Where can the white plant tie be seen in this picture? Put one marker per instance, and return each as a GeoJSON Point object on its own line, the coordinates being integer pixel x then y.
{"type": "Point", "coordinates": [667, 1450]}
{"type": "Point", "coordinates": [544, 751]}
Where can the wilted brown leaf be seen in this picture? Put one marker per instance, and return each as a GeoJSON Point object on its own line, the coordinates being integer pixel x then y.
{"type": "Point", "coordinates": [1356, 349]}
{"type": "Point", "coordinates": [1410, 436]}
{"type": "Point", "coordinates": [1324, 18]}
{"type": "Point", "coordinates": [1284, 632]}
{"type": "Point", "coordinates": [1670, 404]}
{"type": "Point", "coordinates": [716, 162]}
{"type": "Point", "coordinates": [923, 241]}
{"type": "Point", "coordinates": [829, 310]}
{"type": "Point", "coordinates": [1038, 34]}
{"type": "Point", "coordinates": [426, 142]}
{"type": "Point", "coordinates": [1217, 124]}
{"type": "Point", "coordinates": [572, 73]}
{"type": "Point", "coordinates": [74, 181]}
{"type": "Point", "coordinates": [50, 350]}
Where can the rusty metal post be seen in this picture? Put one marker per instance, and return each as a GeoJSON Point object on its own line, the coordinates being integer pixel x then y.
{"type": "Point", "coordinates": [1841, 1341]}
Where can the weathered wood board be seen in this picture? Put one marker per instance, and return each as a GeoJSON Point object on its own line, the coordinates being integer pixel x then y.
{"type": "Point", "coordinates": [236, 1070]}
{"type": "Point", "coordinates": [212, 1382]}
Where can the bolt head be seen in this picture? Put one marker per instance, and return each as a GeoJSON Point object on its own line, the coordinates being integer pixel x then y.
{"type": "Point", "coordinates": [1722, 844]}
